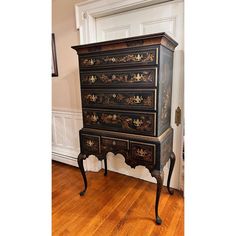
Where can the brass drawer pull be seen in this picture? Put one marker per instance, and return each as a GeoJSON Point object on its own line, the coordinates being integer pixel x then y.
{"type": "Point", "coordinates": [138, 57]}
{"type": "Point", "coordinates": [91, 61]}
{"type": "Point", "coordinates": [94, 118]}
{"type": "Point", "coordinates": [138, 77]}
{"type": "Point", "coordinates": [92, 79]}
{"type": "Point", "coordinates": [138, 99]}
{"type": "Point", "coordinates": [141, 152]}
{"type": "Point", "coordinates": [92, 97]}
{"type": "Point", "coordinates": [137, 122]}
{"type": "Point", "coordinates": [89, 143]}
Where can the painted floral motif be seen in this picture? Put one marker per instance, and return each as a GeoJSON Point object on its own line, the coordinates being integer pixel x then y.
{"type": "Point", "coordinates": [165, 104]}
{"type": "Point", "coordinates": [144, 153]}
{"type": "Point", "coordinates": [118, 78]}
{"type": "Point", "coordinates": [119, 121]}
{"type": "Point", "coordinates": [148, 101]}
{"type": "Point", "coordinates": [136, 57]}
{"type": "Point", "coordinates": [141, 152]}
{"type": "Point", "coordinates": [137, 77]}
{"type": "Point", "coordinates": [165, 86]}
{"type": "Point", "coordinates": [118, 99]}
{"type": "Point", "coordinates": [92, 79]}
{"type": "Point", "coordinates": [91, 118]}
{"type": "Point", "coordinates": [91, 97]}
{"type": "Point", "coordinates": [137, 122]}
{"type": "Point", "coordinates": [134, 100]}
{"type": "Point", "coordinates": [89, 143]}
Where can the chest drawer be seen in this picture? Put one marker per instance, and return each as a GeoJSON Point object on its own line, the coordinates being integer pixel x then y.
{"type": "Point", "coordinates": [143, 153]}
{"type": "Point", "coordinates": [114, 144]}
{"type": "Point", "coordinates": [90, 144]}
{"type": "Point", "coordinates": [128, 122]}
{"type": "Point", "coordinates": [128, 99]}
{"type": "Point", "coordinates": [134, 77]}
{"type": "Point", "coordinates": [129, 57]}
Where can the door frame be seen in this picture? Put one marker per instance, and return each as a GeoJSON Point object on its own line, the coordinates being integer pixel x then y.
{"type": "Point", "coordinates": [87, 12]}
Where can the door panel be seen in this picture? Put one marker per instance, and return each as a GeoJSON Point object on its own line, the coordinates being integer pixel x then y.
{"type": "Point", "coordinates": [167, 17]}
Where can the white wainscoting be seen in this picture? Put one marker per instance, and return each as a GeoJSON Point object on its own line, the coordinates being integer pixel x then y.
{"type": "Point", "coordinates": [65, 136]}
{"type": "Point", "coordinates": [65, 139]}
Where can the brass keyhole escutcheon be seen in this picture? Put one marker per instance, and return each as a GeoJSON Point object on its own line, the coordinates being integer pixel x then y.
{"type": "Point", "coordinates": [178, 116]}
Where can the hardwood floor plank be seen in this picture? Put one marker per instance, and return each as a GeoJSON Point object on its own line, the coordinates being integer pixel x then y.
{"type": "Point", "coordinates": [81, 209]}
{"type": "Point", "coordinates": [140, 218]}
{"type": "Point", "coordinates": [176, 220]}
{"type": "Point", "coordinates": [113, 205]}
{"type": "Point", "coordinates": [119, 212]}
{"type": "Point", "coordinates": [167, 216]}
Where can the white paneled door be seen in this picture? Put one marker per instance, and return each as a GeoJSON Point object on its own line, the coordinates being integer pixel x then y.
{"type": "Point", "coordinates": [166, 17]}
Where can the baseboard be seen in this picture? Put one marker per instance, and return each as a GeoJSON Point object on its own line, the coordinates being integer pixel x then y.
{"type": "Point", "coordinates": [64, 159]}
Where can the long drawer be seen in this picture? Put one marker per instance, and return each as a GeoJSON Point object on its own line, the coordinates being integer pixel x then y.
{"type": "Point", "coordinates": [137, 99]}
{"type": "Point", "coordinates": [132, 77]}
{"type": "Point", "coordinates": [128, 122]}
{"type": "Point", "coordinates": [141, 56]}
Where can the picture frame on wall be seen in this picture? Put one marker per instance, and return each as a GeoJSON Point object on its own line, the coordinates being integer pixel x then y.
{"type": "Point", "coordinates": [54, 57]}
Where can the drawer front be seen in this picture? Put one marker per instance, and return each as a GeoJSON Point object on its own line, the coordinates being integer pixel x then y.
{"type": "Point", "coordinates": [143, 153]}
{"type": "Point", "coordinates": [119, 58]}
{"type": "Point", "coordinates": [136, 77]}
{"type": "Point", "coordinates": [109, 144]}
{"type": "Point", "coordinates": [127, 99]}
{"type": "Point", "coordinates": [138, 122]}
{"type": "Point", "coordinates": [90, 144]}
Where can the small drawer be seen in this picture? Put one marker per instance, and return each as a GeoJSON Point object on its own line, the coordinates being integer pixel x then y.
{"type": "Point", "coordinates": [133, 77]}
{"type": "Point", "coordinates": [128, 122]}
{"type": "Point", "coordinates": [114, 144]}
{"type": "Point", "coordinates": [143, 152]}
{"type": "Point", "coordinates": [144, 99]}
{"type": "Point", "coordinates": [144, 56]}
{"type": "Point", "coordinates": [90, 144]}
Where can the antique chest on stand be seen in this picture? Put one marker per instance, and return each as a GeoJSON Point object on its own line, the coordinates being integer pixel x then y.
{"type": "Point", "coordinates": [126, 88]}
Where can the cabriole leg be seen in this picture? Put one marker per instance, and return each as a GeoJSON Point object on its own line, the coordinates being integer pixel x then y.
{"type": "Point", "coordinates": [80, 159]}
{"type": "Point", "coordinates": [159, 177]}
{"type": "Point", "coordinates": [172, 164]}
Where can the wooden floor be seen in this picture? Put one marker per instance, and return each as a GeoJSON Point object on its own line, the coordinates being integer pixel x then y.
{"type": "Point", "coordinates": [113, 205]}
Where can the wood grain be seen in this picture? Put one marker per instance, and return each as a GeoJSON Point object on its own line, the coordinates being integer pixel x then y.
{"type": "Point", "coordinates": [113, 205]}
{"type": "Point", "coordinates": [137, 41]}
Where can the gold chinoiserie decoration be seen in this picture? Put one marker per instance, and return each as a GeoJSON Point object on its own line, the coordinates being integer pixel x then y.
{"type": "Point", "coordinates": [92, 97]}
{"type": "Point", "coordinates": [91, 61]}
{"type": "Point", "coordinates": [138, 57]}
{"type": "Point", "coordinates": [137, 99]}
{"type": "Point", "coordinates": [137, 122]}
{"type": "Point", "coordinates": [94, 118]}
{"type": "Point", "coordinates": [89, 143]}
{"type": "Point", "coordinates": [138, 77]}
{"type": "Point", "coordinates": [92, 79]}
{"type": "Point", "coordinates": [141, 152]}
